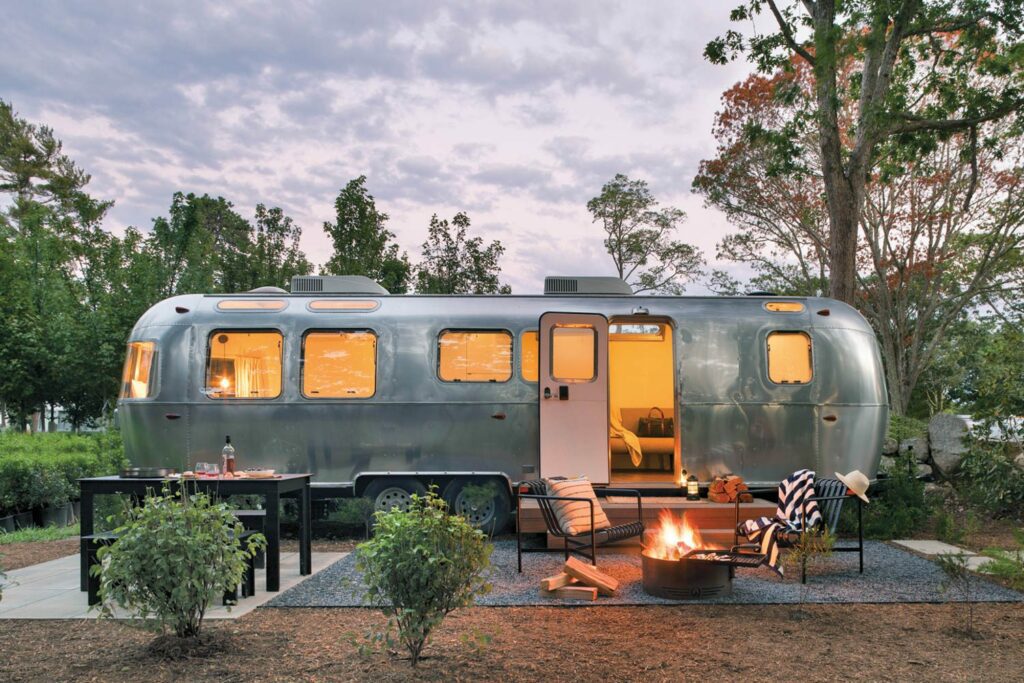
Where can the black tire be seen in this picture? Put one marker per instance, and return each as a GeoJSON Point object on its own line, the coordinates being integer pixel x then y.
{"type": "Point", "coordinates": [495, 518]}
{"type": "Point", "coordinates": [391, 492]}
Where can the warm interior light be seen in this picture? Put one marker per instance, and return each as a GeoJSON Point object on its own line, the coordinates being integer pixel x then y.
{"type": "Point", "coordinates": [784, 306]}
{"type": "Point", "coordinates": [224, 383]}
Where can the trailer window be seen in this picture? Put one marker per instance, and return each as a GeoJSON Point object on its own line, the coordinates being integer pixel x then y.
{"type": "Point", "coordinates": [339, 364]}
{"type": "Point", "coordinates": [474, 356]}
{"type": "Point", "coordinates": [138, 367]}
{"type": "Point", "coordinates": [573, 353]}
{"type": "Point", "coordinates": [789, 357]}
{"type": "Point", "coordinates": [529, 361]}
{"type": "Point", "coordinates": [244, 365]}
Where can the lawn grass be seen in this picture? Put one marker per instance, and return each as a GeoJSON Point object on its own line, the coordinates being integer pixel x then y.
{"type": "Point", "coordinates": [50, 533]}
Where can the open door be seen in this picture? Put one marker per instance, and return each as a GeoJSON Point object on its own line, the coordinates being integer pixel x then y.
{"type": "Point", "coordinates": [573, 387]}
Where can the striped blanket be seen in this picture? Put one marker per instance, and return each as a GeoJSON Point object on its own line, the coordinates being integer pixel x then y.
{"type": "Point", "coordinates": [795, 509]}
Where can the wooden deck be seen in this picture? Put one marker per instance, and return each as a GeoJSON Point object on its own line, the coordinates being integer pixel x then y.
{"type": "Point", "coordinates": [714, 520]}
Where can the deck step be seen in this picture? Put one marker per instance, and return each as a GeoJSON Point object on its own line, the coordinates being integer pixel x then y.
{"type": "Point", "coordinates": [703, 514]}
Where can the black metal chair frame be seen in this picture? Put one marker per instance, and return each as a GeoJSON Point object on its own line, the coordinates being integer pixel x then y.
{"type": "Point", "coordinates": [830, 511]}
{"type": "Point", "coordinates": [574, 543]}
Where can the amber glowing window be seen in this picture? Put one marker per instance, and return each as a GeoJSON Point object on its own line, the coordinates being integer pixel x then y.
{"type": "Point", "coordinates": [138, 366]}
{"type": "Point", "coordinates": [573, 353]}
{"type": "Point", "coordinates": [344, 305]}
{"type": "Point", "coordinates": [244, 364]}
{"type": "Point", "coordinates": [784, 306]}
{"type": "Point", "coordinates": [789, 358]}
{"type": "Point", "coordinates": [341, 364]}
{"type": "Point", "coordinates": [528, 359]}
{"type": "Point", "coordinates": [474, 356]}
{"type": "Point", "coordinates": [251, 305]}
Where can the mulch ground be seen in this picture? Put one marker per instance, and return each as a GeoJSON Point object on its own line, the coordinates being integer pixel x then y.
{"type": "Point", "coordinates": [842, 642]}
{"type": "Point", "coordinates": [18, 555]}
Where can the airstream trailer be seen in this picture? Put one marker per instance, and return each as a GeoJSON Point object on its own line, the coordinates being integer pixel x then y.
{"type": "Point", "coordinates": [382, 395]}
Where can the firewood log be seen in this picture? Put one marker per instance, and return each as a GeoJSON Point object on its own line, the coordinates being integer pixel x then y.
{"type": "Point", "coordinates": [556, 581]}
{"type": "Point", "coordinates": [589, 575]}
{"type": "Point", "coordinates": [588, 593]}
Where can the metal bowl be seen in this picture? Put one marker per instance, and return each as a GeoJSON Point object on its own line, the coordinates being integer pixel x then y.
{"type": "Point", "coordinates": [147, 472]}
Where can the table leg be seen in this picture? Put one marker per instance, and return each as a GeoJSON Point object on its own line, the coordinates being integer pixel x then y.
{"type": "Point", "coordinates": [85, 529]}
{"type": "Point", "coordinates": [305, 532]}
{"type": "Point", "coordinates": [273, 534]}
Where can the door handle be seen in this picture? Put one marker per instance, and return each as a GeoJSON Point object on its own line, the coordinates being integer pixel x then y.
{"type": "Point", "coordinates": [172, 416]}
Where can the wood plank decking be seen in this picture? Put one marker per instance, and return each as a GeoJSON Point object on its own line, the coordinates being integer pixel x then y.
{"type": "Point", "coordinates": [714, 520]}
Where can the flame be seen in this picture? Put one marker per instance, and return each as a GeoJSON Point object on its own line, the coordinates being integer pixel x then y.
{"type": "Point", "coordinates": [672, 538]}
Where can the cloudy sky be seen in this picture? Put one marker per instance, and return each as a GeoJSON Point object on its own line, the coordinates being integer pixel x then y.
{"type": "Point", "coordinates": [515, 112]}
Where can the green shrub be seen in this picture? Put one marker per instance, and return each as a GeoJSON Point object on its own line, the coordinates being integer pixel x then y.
{"type": "Point", "coordinates": [420, 565]}
{"type": "Point", "coordinates": [898, 505]}
{"type": "Point", "coordinates": [43, 469]}
{"type": "Point", "coordinates": [1008, 564]}
{"type": "Point", "coordinates": [902, 428]}
{"type": "Point", "coordinates": [989, 479]}
{"type": "Point", "coordinates": [175, 555]}
{"type": "Point", "coordinates": [354, 512]}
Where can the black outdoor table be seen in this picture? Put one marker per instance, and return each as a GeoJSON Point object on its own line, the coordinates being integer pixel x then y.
{"type": "Point", "coordinates": [272, 490]}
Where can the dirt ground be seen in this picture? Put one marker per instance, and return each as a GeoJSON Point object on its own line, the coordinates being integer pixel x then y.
{"type": "Point", "coordinates": [654, 643]}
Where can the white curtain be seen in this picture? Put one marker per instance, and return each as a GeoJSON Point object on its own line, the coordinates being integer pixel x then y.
{"type": "Point", "coordinates": [248, 378]}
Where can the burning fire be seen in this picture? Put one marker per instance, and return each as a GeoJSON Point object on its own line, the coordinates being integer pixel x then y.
{"type": "Point", "coordinates": [672, 538]}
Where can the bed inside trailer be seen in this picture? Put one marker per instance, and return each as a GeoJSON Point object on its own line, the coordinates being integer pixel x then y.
{"type": "Point", "coordinates": [641, 401]}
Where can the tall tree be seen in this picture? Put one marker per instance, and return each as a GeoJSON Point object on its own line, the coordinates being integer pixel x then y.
{"type": "Point", "coordinates": [455, 264]}
{"type": "Point", "coordinates": [275, 256]}
{"type": "Point", "coordinates": [921, 70]}
{"type": "Point", "coordinates": [640, 238]}
{"type": "Point", "coordinates": [202, 245]}
{"type": "Point", "coordinates": [362, 243]}
{"type": "Point", "coordinates": [937, 237]}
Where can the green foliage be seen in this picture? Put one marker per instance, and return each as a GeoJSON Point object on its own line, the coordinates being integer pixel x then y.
{"type": "Point", "coordinates": [43, 469]}
{"type": "Point", "coordinates": [354, 512]}
{"type": "Point", "coordinates": [898, 506]}
{"type": "Point", "coordinates": [419, 566]}
{"type": "Point", "coordinates": [453, 264]}
{"type": "Point", "coordinates": [948, 529]}
{"type": "Point", "coordinates": [959, 579]}
{"type": "Point", "coordinates": [640, 238]}
{"type": "Point", "coordinates": [38, 534]}
{"type": "Point", "coordinates": [1008, 564]}
{"type": "Point", "coordinates": [989, 479]}
{"type": "Point", "coordinates": [903, 428]}
{"type": "Point", "coordinates": [362, 243]}
{"type": "Point", "coordinates": [811, 546]}
{"type": "Point", "coordinates": [174, 556]}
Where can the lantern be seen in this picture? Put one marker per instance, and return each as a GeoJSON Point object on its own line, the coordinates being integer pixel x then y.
{"type": "Point", "coordinates": [692, 488]}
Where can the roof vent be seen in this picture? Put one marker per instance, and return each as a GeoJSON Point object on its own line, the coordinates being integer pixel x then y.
{"type": "Point", "coordinates": [571, 285]}
{"type": "Point", "coordinates": [335, 284]}
{"type": "Point", "coordinates": [267, 290]}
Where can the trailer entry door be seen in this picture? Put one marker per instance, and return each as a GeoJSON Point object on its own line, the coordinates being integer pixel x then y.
{"type": "Point", "coordinates": [574, 396]}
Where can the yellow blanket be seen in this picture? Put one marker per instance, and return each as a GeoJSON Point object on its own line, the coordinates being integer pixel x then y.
{"type": "Point", "coordinates": [632, 442]}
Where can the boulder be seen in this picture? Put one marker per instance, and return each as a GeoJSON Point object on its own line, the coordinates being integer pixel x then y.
{"type": "Point", "coordinates": [923, 471]}
{"type": "Point", "coordinates": [1019, 461]}
{"type": "Point", "coordinates": [890, 447]}
{"type": "Point", "coordinates": [919, 445]}
{"type": "Point", "coordinates": [886, 464]}
{"type": "Point", "coordinates": [946, 434]}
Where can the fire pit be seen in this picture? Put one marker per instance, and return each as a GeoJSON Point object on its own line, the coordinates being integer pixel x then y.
{"type": "Point", "coordinates": [678, 565]}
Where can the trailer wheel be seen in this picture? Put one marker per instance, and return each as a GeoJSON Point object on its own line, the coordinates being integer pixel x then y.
{"type": "Point", "coordinates": [494, 517]}
{"type": "Point", "coordinates": [389, 493]}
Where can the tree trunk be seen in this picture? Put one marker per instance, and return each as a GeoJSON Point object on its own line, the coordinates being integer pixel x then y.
{"type": "Point", "coordinates": [844, 207]}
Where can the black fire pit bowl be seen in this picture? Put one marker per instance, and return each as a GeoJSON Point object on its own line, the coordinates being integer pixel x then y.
{"type": "Point", "coordinates": [685, 579]}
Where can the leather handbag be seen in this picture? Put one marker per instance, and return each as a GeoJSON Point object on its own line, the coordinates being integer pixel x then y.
{"type": "Point", "coordinates": [655, 426]}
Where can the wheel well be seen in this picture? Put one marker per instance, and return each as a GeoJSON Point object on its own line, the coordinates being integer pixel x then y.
{"type": "Point", "coordinates": [439, 479]}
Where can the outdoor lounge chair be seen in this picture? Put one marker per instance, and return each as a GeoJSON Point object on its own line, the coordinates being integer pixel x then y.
{"type": "Point", "coordinates": [830, 495]}
{"type": "Point", "coordinates": [574, 543]}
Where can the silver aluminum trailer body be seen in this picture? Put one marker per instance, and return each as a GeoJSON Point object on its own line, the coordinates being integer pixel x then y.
{"type": "Point", "coordinates": [729, 416]}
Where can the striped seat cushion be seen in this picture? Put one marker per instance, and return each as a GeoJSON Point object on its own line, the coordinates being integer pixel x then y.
{"type": "Point", "coordinates": [574, 516]}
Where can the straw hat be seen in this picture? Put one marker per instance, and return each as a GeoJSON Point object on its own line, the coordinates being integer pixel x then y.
{"type": "Point", "coordinates": [856, 482]}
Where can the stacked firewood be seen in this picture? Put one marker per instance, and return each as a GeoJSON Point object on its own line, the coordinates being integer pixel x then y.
{"type": "Point", "coordinates": [578, 581]}
{"type": "Point", "coordinates": [727, 488]}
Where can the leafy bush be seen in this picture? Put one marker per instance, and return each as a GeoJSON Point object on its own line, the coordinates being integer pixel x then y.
{"type": "Point", "coordinates": [989, 479]}
{"type": "Point", "coordinates": [43, 469]}
{"type": "Point", "coordinates": [175, 555]}
{"type": "Point", "coordinates": [422, 564]}
{"type": "Point", "coordinates": [1008, 564]}
{"type": "Point", "coordinates": [898, 505]}
{"type": "Point", "coordinates": [354, 512]}
{"type": "Point", "coordinates": [902, 428]}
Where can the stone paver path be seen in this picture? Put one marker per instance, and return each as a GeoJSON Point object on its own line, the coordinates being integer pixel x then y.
{"type": "Point", "coordinates": [932, 548]}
